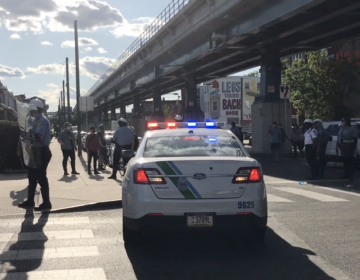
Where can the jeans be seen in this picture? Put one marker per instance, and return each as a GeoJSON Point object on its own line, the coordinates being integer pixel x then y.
{"type": "Point", "coordinates": [66, 155]}
{"type": "Point", "coordinates": [92, 155]}
{"type": "Point", "coordinates": [38, 175]}
{"type": "Point", "coordinates": [298, 145]}
{"type": "Point", "coordinates": [310, 154]}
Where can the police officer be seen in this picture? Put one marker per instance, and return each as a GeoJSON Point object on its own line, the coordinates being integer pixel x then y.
{"type": "Point", "coordinates": [347, 143]}
{"type": "Point", "coordinates": [124, 140]}
{"type": "Point", "coordinates": [310, 141]}
{"type": "Point", "coordinates": [323, 139]}
{"type": "Point", "coordinates": [40, 131]}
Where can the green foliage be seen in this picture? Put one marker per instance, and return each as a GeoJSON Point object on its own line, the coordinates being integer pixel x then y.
{"type": "Point", "coordinates": [168, 112]}
{"type": "Point", "coordinates": [322, 85]}
{"type": "Point", "coordinates": [253, 74]}
{"type": "Point", "coordinates": [8, 123]}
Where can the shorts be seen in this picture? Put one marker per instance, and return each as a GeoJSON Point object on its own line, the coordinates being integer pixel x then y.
{"type": "Point", "coordinates": [274, 146]}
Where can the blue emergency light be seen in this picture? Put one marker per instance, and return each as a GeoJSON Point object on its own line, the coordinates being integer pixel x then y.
{"type": "Point", "coordinates": [191, 124]}
{"type": "Point", "coordinates": [210, 124]}
{"type": "Point", "coordinates": [212, 139]}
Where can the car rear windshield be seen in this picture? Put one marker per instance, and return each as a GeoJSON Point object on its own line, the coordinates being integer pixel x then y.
{"type": "Point", "coordinates": [192, 146]}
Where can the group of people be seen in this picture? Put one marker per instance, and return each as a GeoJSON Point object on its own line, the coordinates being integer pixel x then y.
{"type": "Point", "coordinates": [314, 138]}
{"type": "Point", "coordinates": [96, 147]}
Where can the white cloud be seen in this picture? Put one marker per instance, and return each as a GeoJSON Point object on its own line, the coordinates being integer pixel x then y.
{"type": "Point", "coordinates": [52, 85]}
{"type": "Point", "coordinates": [46, 43]}
{"type": "Point", "coordinates": [90, 66]}
{"type": "Point", "coordinates": [59, 16]}
{"type": "Point", "coordinates": [87, 49]}
{"type": "Point", "coordinates": [82, 42]}
{"type": "Point", "coordinates": [133, 29]}
{"type": "Point", "coordinates": [8, 72]}
{"type": "Point", "coordinates": [101, 50]}
{"type": "Point", "coordinates": [47, 69]}
{"type": "Point", "coordinates": [15, 36]}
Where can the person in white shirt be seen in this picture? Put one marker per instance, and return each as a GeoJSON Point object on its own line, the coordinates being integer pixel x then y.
{"type": "Point", "coordinates": [310, 141]}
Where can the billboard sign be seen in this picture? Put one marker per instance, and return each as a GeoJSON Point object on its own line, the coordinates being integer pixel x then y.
{"type": "Point", "coordinates": [230, 97]}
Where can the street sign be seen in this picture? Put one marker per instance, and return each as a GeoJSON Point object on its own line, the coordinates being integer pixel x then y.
{"type": "Point", "coordinates": [285, 92]}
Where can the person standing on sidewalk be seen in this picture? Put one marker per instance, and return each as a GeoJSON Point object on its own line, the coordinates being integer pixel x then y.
{"type": "Point", "coordinates": [92, 146]}
{"type": "Point", "coordinates": [296, 141]}
{"type": "Point", "coordinates": [40, 135]}
{"type": "Point", "coordinates": [310, 141]}
{"type": "Point", "coordinates": [103, 149]}
{"type": "Point", "coordinates": [323, 139]}
{"type": "Point", "coordinates": [275, 138]}
{"type": "Point", "coordinates": [68, 147]}
{"type": "Point", "coordinates": [347, 143]}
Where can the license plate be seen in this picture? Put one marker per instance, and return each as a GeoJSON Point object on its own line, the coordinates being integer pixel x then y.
{"type": "Point", "coordinates": [199, 220]}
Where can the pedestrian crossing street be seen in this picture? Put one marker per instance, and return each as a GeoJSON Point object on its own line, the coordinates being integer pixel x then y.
{"type": "Point", "coordinates": [20, 245]}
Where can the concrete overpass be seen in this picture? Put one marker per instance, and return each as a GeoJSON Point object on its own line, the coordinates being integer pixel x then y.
{"type": "Point", "coordinates": [196, 40]}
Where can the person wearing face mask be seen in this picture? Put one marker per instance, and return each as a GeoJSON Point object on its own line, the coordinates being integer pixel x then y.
{"type": "Point", "coordinates": [68, 147]}
{"type": "Point", "coordinates": [92, 145]}
{"type": "Point", "coordinates": [39, 134]}
{"type": "Point", "coordinates": [311, 142]}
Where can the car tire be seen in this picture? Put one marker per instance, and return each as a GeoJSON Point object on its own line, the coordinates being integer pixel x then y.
{"type": "Point", "coordinates": [259, 234]}
{"type": "Point", "coordinates": [130, 236]}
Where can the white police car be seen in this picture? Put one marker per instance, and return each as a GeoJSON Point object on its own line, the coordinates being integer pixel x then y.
{"type": "Point", "coordinates": [187, 176]}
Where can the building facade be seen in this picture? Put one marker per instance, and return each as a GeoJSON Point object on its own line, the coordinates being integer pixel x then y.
{"type": "Point", "coordinates": [7, 104]}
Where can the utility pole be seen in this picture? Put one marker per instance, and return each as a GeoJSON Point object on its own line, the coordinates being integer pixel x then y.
{"type": "Point", "coordinates": [63, 85]}
{"type": "Point", "coordinates": [68, 88]}
{"type": "Point", "coordinates": [79, 119]}
{"type": "Point", "coordinates": [61, 108]}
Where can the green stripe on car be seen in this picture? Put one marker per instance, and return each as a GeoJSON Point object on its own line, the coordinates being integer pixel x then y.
{"type": "Point", "coordinates": [166, 168]}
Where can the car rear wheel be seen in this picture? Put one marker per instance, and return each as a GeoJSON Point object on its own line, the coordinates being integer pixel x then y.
{"type": "Point", "coordinates": [130, 236]}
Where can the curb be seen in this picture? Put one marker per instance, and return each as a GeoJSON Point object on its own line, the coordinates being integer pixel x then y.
{"type": "Point", "coordinates": [102, 205]}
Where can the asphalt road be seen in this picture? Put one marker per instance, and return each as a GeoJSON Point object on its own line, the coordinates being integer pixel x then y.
{"type": "Point", "coordinates": [313, 234]}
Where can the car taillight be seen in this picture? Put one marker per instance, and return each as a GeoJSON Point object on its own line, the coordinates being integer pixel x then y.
{"type": "Point", "coordinates": [247, 175]}
{"type": "Point", "coordinates": [148, 176]}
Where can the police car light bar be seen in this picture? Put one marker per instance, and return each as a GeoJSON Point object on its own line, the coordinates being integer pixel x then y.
{"type": "Point", "coordinates": [190, 124]}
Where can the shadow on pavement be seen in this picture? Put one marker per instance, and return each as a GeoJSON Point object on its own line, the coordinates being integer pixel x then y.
{"type": "Point", "coordinates": [19, 196]}
{"type": "Point", "coordinates": [214, 256]}
{"type": "Point", "coordinates": [22, 262]}
{"type": "Point", "coordinates": [13, 176]}
{"type": "Point", "coordinates": [68, 179]}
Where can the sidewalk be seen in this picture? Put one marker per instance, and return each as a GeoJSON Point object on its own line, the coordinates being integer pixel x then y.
{"type": "Point", "coordinates": [65, 192]}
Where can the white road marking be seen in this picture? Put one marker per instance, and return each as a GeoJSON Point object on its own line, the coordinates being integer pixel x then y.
{"type": "Point", "coordinates": [5, 237]}
{"type": "Point", "coordinates": [312, 195]}
{"type": "Point", "coordinates": [340, 191]}
{"type": "Point", "coordinates": [274, 198]}
{"type": "Point", "coordinates": [49, 253]}
{"type": "Point", "coordinates": [47, 235]}
{"type": "Point", "coordinates": [42, 221]}
{"type": "Point", "coordinates": [291, 238]}
{"type": "Point", "coordinates": [78, 274]}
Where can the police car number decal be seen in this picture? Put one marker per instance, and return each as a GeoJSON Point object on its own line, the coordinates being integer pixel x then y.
{"type": "Point", "coordinates": [246, 204]}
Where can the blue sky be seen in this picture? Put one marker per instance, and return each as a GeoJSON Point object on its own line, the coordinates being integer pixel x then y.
{"type": "Point", "coordinates": [37, 36]}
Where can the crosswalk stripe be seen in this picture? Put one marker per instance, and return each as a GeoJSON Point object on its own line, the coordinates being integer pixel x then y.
{"type": "Point", "coordinates": [43, 221]}
{"type": "Point", "coordinates": [340, 191]}
{"type": "Point", "coordinates": [47, 235]}
{"type": "Point", "coordinates": [312, 195]}
{"type": "Point", "coordinates": [78, 274]}
{"type": "Point", "coordinates": [274, 198]}
{"type": "Point", "coordinates": [49, 253]}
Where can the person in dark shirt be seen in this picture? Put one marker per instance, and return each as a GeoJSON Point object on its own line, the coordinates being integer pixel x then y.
{"type": "Point", "coordinates": [323, 139]}
{"type": "Point", "coordinates": [68, 147]}
{"type": "Point", "coordinates": [103, 149]}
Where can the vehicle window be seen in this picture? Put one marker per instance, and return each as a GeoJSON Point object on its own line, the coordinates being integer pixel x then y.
{"type": "Point", "coordinates": [193, 146]}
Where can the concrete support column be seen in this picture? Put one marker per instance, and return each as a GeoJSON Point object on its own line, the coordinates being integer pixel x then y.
{"type": "Point", "coordinates": [122, 110]}
{"type": "Point", "coordinates": [192, 106]}
{"type": "Point", "coordinates": [138, 121]}
{"type": "Point", "coordinates": [113, 112]}
{"type": "Point", "coordinates": [157, 114]}
{"type": "Point", "coordinates": [268, 107]}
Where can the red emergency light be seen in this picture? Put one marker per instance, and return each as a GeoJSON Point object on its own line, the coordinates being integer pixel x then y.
{"type": "Point", "coordinates": [153, 125]}
{"type": "Point", "coordinates": [171, 124]}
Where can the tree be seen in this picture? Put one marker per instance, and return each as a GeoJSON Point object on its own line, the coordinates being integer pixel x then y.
{"type": "Point", "coordinates": [253, 74]}
{"type": "Point", "coordinates": [321, 85]}
{"type": "Point", "coordinates": [169, 113]}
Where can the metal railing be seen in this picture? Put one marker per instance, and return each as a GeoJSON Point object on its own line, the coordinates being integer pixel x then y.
{"type": "Point", "coordinates": [166, 15]}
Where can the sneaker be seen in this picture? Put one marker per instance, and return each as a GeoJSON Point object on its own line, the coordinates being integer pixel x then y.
{"type": "Point", "coordinates": [112, 177]}
{"type": "Point", "coordinates": [97, 172]}
{"type": "Point", "coordinates": [101, 168]}
{"type": "Point", "coordinates": [66, 174]}
{"type": "Point", "coordinates": [26, 204]}
{"type": "Point", "coordinates": [44, 207]}
{"type": "Point", "coordinates": [75, 173]}
{"type": "Point", "coordinates": [89, 172]}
